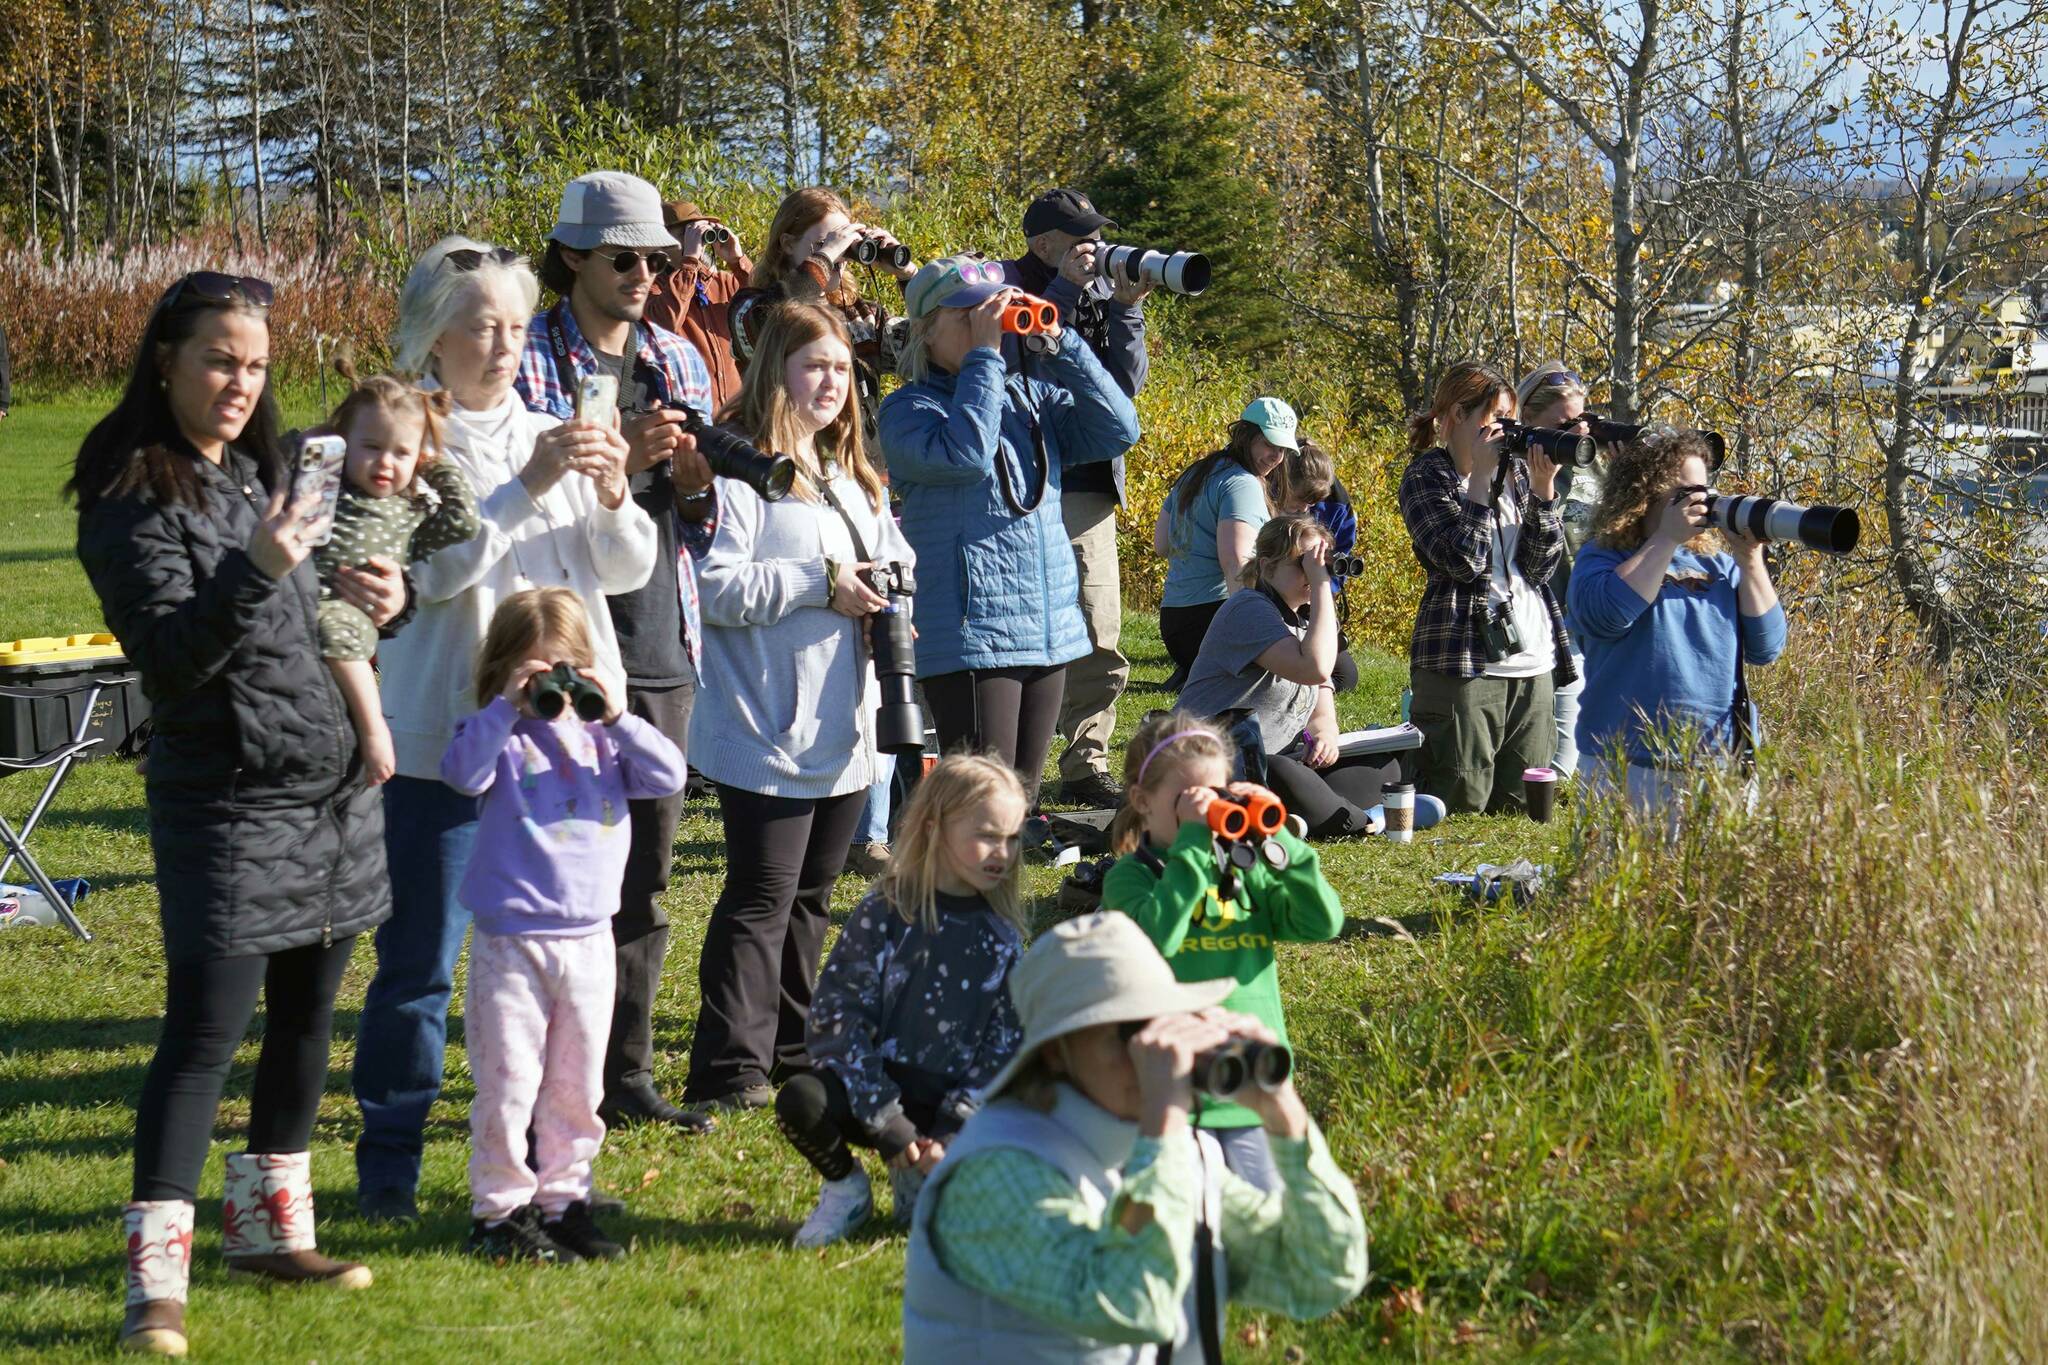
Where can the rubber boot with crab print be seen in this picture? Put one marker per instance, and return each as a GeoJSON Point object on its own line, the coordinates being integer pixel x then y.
{"type": "Point", "coordinates": [267, 1223]}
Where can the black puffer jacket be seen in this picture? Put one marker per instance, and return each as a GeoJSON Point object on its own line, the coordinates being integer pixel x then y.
{"type": "Point", "coordinates": [265, 835]}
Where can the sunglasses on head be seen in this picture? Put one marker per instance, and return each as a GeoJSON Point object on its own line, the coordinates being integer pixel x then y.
{"type": "Point", "coordinates": [213, 289]}
{"type": "Point", "coordinates": [981, 272]}
{"type": "Point", "coordinates": [469, 258]}
{"type": "Point", "coordinates": [626, 262]}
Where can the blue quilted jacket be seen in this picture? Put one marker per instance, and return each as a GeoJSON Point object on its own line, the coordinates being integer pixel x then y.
{"type": "Point", "coordinates": [996, 589]}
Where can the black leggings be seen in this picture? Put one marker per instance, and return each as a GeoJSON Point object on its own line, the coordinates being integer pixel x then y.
{"type": "Point", "coordinates": [760, 958]}
{"type": "Point", "coordinates": [1333, 800]}
{"type": "Point", "coordinates": [1181, 630]}
{"type": "Point", "coordinates": [207, 1011]}
{"type": "Point", "coordinates": [815, 1115]}
{"type": "Point", "coordinates": [1010, 712]}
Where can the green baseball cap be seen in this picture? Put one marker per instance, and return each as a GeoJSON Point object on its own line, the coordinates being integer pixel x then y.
{"type": "Point", "coordinates": [953, 282]}
{"type": "Point", "coordinates": [1275, 421]}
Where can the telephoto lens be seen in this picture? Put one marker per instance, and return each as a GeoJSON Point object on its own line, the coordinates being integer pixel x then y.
{"type": "Point", "coordinates": [1564, 448]}
{"type": "Point", "coordinates": [548, 693]}
{"type": "Point", "coordinates": [1225, 1070]}
{"type": "Point", "coordinates": [732, 456]}
{"type": "Point", "coordinates": [899, 725]}
{"type": "Point", "coordinates": [1344, 566]}
{"type": "Point", "coordinates": [1621, 433]}
{"type": "Point", "coordinates": [1181, 272]}
{"type": "Point", "coordinates": [1831, 530]}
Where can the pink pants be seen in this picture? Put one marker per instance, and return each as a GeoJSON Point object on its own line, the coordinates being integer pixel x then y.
{"type": "Point", "coordinates": [537, 1017]}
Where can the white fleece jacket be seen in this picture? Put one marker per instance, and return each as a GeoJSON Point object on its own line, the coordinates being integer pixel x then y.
{"type": "Point", "coordinates": [565, 538]}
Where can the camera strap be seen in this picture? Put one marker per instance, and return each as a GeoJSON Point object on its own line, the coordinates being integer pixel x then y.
{"type": "Point", "coordinates": [1745, 710]}
{"type": "Point", "coordinates": [1019, 386]}
{"type": "Point", "coordinates": [860, 544]}
{"type": "Point", "coordinates": [629, 366]}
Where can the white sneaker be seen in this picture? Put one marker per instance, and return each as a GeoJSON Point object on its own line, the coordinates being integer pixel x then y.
{"type": "Point", "coordinates": [903, 1187]}
{"type": "Point", "coordinates": [843, 1205]}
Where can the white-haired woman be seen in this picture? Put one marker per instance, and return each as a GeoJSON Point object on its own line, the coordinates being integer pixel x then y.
{"type": "Point", "coordinates": [555, 514]}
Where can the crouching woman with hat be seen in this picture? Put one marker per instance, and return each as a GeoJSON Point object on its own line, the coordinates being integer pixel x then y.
{"type": "Point", "coordinates": [1079, 1216]}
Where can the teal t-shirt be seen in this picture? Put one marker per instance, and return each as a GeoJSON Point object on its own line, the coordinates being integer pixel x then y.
{"type": "Point", "coordinates": [1193, 573]}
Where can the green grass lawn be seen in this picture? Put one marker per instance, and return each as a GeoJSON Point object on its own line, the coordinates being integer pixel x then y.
{"type": "Point", "coordinates": [1528, 1165]}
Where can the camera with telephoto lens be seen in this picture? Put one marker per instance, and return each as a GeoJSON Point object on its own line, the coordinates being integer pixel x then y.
{"type": "Point", "coordinates": [1224, 1071]}
{"type": "Point", "coordinates": [562, 686]}
{"type": "Point", "coordinates": [1566, 449]}
{"type": "Point", "coordinates": [1499, 634]}
{"type": "Point", "coordinates": [1183, 272]}
{"type": "Point", "coordinates": [1831, 530]}
{"type": "Point", "coordinates": [899, 725]}
{"type": "Point", "coordinates": [732, 456]}
{"type": "Point", "coordinates": [1621, 433]}
{"type": "Point", "coordinates": [868, 250]}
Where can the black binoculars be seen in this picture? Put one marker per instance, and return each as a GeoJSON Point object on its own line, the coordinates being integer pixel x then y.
{"type": "Point", "coordinates": [868, 250]}
{"type": "Point", "coordinates": [562, 686]}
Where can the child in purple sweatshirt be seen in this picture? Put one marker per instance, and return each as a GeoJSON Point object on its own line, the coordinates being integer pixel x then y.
{"type": "Point", "coordinates": [543, 884]}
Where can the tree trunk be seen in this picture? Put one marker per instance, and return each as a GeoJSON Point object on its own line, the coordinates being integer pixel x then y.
{"type": "Point", "coordinates": [256, 126]}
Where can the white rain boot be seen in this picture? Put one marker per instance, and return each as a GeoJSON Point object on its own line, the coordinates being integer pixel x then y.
{"type": "Point", "coordinates": [159, 1237]}
{"type": "Point", "coordinates": [266, 1213]}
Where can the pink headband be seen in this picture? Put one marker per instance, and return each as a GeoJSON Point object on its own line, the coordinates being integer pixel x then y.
{"type": "Point", "coordinates": [1177, 734]}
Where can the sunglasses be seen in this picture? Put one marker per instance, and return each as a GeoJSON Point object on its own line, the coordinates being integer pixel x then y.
{"type": "Point", "coordinates": [210, 288]}
{"type": "Point", "coordinates": [982, 272]}
{"type": "Point", "coordinates": [626, 262]}
{"type": "Point", "coordinates": [470, 258]}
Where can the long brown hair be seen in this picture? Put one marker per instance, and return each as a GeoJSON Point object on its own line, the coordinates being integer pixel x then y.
{"type": "Point", "coordinates": [1464, 387]}
{"type": "Point", "coordinates": [1165, 741]}
{"type": "Point", "coordinates": [799, 212]}
{"type": "Point", "coordinates": [762, 407]}
{"type": "Point", "coordinates": [398, 398]}
{"type": "Point", "coordinates": [1238, 450]}
{"type": "Point", "coordinates": [538, 623]}
{"type": "Point", "coordinates": [958, 783]}
{"type": "Point", "coordinates": [1638, 479]}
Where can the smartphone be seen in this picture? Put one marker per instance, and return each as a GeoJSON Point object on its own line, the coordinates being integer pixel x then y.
{"type": "Point", "coordinates": [597, 399]}
{"type": "Point", "coordinates": [316, 479]}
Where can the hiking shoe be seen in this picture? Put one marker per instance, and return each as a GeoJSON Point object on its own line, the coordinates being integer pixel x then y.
{"type": "Point", "coordinates": [904, 1183]}
{"type": "Point", "coordinates": [518, 1238]}
{"type": "Point", "coordinates": [642, 1103]}
{"type": "Point", "coordinates": [733, 1101]}
{"type": "Point", "coordinates": [1097, 791]}
{"type": "Point", "coordinates": [579, 1237]}
{"type": "Point", "coordinates": [843, 1205]}
{"type": "Point", "coordinates": [388, 1205]}
{"type": "Point", "coordinates": [869, 860]}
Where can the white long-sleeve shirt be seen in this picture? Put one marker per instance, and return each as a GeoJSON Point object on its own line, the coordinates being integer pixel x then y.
{"type": "Point", "coordinates": [564, 538]}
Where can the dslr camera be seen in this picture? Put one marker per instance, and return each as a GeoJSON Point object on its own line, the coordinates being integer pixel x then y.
{"type": "Point", "coordinates": [1565, 449]}
{"type": "Point", "coordinates": [732, 456]}
{"type": "Point", "coordinates": [899, 725]}
{"type": "Point", "coordinates": [1621, 433]}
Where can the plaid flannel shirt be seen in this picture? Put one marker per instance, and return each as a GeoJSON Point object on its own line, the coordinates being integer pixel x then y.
{"type": "Point", "coordinates": [1453, 539]}
{"type": "Point", "coordinates": [678, 375]}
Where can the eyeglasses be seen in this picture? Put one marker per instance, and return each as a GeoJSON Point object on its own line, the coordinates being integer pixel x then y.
{"type": "Point", "coordinates": [466, 259]}
{"type": "Point", "coordinates": [214, 289]}
{"type": "Point", "coordinates": [626, 262]}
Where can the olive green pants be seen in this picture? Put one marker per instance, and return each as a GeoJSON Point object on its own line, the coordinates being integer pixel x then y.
{"type": "Point", "coordinates": [1478, 734]}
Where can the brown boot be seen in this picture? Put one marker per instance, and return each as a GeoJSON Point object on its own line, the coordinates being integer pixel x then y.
{"type": "Point", "coordinates": [159, 1237]}
{"type": "Point", "coordinates": [267, 1212]}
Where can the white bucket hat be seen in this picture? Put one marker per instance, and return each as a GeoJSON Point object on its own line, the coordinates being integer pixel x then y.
{"type": "Point", "coordinates": [611, 208]}
{"type": "Point", "coordinates": [1095, 969]}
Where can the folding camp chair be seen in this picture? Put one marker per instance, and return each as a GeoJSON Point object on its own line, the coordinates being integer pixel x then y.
{"type": "Point", "coordinates": [57, 764]}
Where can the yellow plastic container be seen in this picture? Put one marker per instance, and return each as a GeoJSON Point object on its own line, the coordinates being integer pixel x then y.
{"type": "Point", "coordinates": [60, 665]}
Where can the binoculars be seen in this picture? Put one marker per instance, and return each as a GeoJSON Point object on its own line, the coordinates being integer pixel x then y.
{"type": "Point", "coordinates": [1226, 1070]}
{"type": "Point", "coordinates": [1344, 566]}
{"type": "Point", "coordinates": [1182, 272]}
{"type": "Point", "coordinates": [1028, 315]}
{"type": "Point", "coordinates": [715, 235]}
{"type": "Point", "coordinates": [1257, 816]}
{"type": "Point", "coordinates": [562, 686]}
{"type": "Point", "coordinates": [1565, 449]}
{"type": "Point", "coordinates": [868, 250]}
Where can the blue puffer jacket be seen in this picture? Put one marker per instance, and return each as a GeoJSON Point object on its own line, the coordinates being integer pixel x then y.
{"type": "Point", "coordinates": [995, 589]}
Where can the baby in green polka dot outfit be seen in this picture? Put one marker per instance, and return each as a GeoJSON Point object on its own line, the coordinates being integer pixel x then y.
{"type": "Point", "coordinates": [398, 499]}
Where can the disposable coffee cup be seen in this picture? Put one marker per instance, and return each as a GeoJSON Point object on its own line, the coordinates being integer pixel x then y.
{"type": "Point", "coordinates": [1399, 801]}
{"type": "Point", "coordinates": [1539, 789]}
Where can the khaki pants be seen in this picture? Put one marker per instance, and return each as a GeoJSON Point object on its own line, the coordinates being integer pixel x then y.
{"type": "Point", "coordinates": [1097, 678]}
{"type": "Point", "coordinates": [1478, 734]}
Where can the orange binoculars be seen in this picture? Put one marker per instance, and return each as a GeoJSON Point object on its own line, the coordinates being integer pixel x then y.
{"type": "Point", "coordinates": [1028, 315]}
{"type": "Point", "coordinates": [1237, 817]}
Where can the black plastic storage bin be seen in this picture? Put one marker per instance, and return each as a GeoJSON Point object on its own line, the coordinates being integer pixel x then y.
{"type": "Point", "coordinates": [32, 726]}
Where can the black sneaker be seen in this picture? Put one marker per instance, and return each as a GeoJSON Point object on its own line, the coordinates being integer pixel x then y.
{"type": "Point", "coordinates": [1097, 791]}
{"type": "Point", "coordinates": [606, 1203]}
{"type": "Point", "coordinates": [518, 1238]}
{"type": "Point", "coordinates": [389, 1205]}
{"type": "Point", "coordinates": [733, 1101]}
{"type": "Point", "coordinates": [579, 1236]}
{"type": "Point", "coordinates": [642, 1103]}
